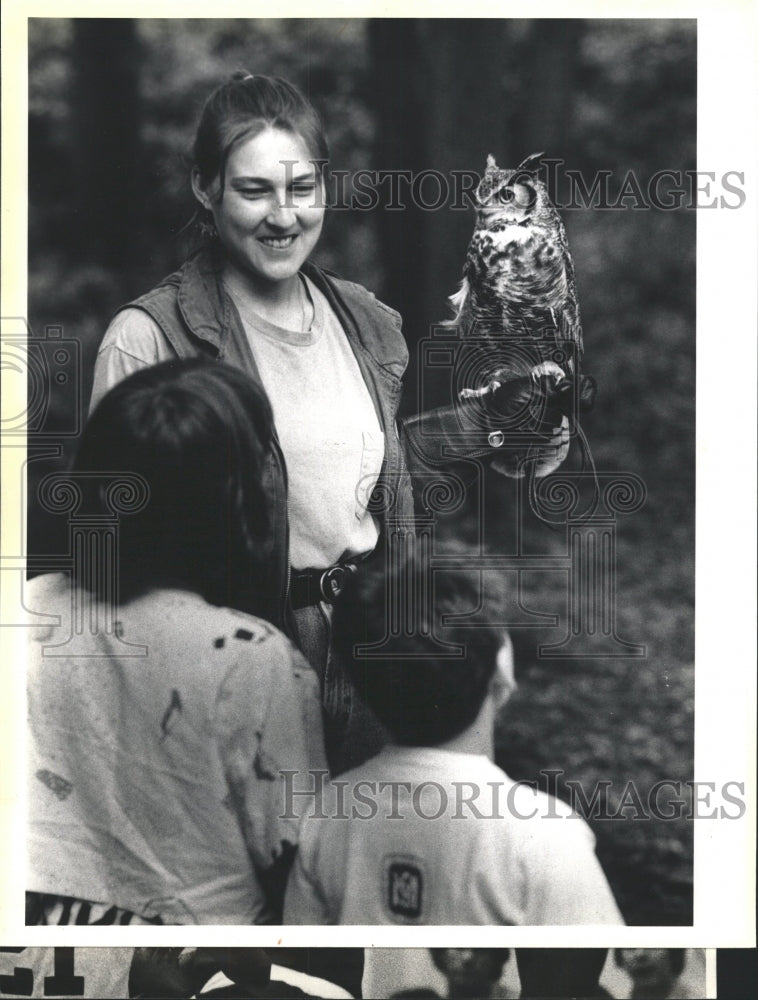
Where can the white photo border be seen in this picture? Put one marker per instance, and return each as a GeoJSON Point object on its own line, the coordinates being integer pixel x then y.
{"type": "Point", "coordinates": [725, 720]}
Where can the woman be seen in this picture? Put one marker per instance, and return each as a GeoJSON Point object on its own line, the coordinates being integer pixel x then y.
{"type": "Point", "coordinates": [329, 356]}
{"type": "Point", "coordinates": [156, 746]}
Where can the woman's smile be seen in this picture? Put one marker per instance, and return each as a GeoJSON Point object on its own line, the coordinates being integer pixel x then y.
{"type": "Point", "coordinates": [278, 242]}
{"type": "Point", "coordinates": [270, 212]}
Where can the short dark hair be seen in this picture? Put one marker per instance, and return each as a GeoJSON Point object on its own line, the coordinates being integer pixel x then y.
{"type": "Point", "coordinates": [498, 956]}
{"type": "Point", "coordinates": [198, 432]}
{"type": "Point", "coordinates": [676, 959]}
{"type": "Point", "coordinates": [424, 693]}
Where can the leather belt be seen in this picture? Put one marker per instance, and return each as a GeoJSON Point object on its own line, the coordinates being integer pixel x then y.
{"type": "Point", "coordinates": [311, 586]}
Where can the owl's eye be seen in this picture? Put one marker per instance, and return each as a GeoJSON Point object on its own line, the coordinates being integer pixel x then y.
{"type": "Point", "coordinates": [505, 195]}
{"type": "Point", "coordinates": [524, 195]}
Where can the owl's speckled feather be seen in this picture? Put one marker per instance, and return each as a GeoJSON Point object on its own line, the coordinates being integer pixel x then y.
{"type": "Point", "coordinates": [518, 278]}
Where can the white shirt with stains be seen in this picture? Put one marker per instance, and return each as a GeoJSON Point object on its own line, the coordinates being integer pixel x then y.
{"type": "Point", "coordinates": [155, 751]}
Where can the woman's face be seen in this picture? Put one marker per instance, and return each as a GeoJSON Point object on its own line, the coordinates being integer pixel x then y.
{"type": "Point", "coordinates": [271, 212]}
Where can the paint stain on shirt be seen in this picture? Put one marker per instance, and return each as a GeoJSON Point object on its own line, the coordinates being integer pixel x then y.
{"type": "Point", "coordinates": [171, 714]}
{"type": "Point", "coordinates": [57, 785]}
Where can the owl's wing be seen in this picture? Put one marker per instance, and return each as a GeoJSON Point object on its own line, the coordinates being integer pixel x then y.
{"type": "Point", "coordinates": [461, 302]}
{"type": "Point", "coordinates": [458, 302]}
{"type": "Point", "coordinates": [571, 324]}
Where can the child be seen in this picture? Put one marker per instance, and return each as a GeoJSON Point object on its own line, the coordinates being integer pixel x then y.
{"type": "Point", "coordinates": [156, 743]}
{"type": "Point", "coordinates": [431, 831]}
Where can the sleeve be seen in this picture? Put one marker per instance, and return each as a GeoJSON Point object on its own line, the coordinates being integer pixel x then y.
{"type": "Point", "coordinates": [305, 901]}
{"type": "Point", "coordinates": [571, 887]}
{"type": "Point", "coordinates": [270, 739]}
{"type": "Point", "coordinates": [132, 341]}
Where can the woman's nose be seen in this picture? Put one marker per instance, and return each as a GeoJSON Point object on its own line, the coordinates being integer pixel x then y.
{"type": "Point", "coordinates": [281, 213]}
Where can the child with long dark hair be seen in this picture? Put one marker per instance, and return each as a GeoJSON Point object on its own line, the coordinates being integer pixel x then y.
{"type": "Point", "coordinates": [156, 747]}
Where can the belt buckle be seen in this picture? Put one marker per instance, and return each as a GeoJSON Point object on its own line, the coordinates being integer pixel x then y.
{"type": "Point", "coordinates": [332, 581]}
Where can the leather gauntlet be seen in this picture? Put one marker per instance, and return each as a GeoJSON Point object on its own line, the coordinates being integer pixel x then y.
{"type": "Point", "coordinates": [510, 420]}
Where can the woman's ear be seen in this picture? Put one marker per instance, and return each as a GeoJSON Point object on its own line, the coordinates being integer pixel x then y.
{"type": "Point", "coordinates": [198, 190]}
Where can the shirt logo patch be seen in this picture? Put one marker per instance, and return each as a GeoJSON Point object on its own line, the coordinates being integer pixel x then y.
{"type": "Point", "coordinates": [405, 887]}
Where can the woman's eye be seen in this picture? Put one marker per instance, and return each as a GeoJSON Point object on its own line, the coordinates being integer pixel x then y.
{"type": "Point", "coordinates": [252, 193]}
{"type": "Point", "coordinates": [303, 190]}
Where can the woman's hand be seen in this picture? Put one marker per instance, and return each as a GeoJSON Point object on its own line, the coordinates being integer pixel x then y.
{"type": "Point", "coordinates": [554, 454]}
{"type": "Point", "coordinates": [548, 457]}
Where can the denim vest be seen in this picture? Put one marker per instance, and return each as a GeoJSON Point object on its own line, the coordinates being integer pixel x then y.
{"type": "Point", "coordinates": [198, 317]}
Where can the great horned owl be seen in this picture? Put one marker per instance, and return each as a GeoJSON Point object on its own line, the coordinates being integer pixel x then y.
{"type": "Point", "coordinates": [517, 313]}
{"type": "Point", "coordinates": [518, 290]}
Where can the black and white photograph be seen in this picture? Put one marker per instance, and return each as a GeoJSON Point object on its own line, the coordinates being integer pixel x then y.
{"type": "Point", "coordinates": [356, 487]}
{"type": "Point", "coordinates": [289, 973]}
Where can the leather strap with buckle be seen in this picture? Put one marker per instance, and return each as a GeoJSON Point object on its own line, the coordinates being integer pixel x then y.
{"type": "Point", "coordinates": [311, 586]}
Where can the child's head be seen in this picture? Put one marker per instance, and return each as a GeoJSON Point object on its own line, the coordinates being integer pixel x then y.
{"type": "Point", "coordinates": [428, 676]}
{"type": "Point", "coordinates": [653, 970]}
{"type": "Point", "coordinates": [198, 433]}
{"type": "Point", "coordinates": [470, 972]}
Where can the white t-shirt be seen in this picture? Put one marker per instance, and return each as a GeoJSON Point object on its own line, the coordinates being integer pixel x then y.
{"type": "Point", "coordinates": [155, 781]}
{"type": "Point", "coordinates": [328, 429]}
{"type": "Point", "coordinates": [323, 413]}
{"type": "Point", "coordinates": [441, 837]}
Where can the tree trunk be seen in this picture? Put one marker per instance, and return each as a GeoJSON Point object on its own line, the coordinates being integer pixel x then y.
{"type": "Point", "coordinates": [451, 92]}
{"type": "Point", "coordinates": [105, 133]}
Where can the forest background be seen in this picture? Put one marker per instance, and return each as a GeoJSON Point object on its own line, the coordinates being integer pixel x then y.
{"type": "Point", "coordinates": [112, 107]}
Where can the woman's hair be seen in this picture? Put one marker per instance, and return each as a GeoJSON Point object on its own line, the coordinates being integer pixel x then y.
{"type": "Point", "coordinates": [244, 106]}
{"type": "Point", "coordinates": [197, 432]}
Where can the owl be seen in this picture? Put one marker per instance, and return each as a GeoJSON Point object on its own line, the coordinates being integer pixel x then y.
{"type": "Point", "coordinates": [518, 294]}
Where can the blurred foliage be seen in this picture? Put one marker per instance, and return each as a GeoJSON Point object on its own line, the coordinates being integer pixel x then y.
{"type": "Point", "coordinates": [628, 102]}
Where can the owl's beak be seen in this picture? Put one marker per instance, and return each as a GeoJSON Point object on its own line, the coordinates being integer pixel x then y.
{"type": "Point", "coordinates": [483, 215]}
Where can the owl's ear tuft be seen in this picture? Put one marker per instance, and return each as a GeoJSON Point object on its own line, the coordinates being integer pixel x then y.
{"type": "Point", "coordinates": [530, 164]}
{"type": "Point", "coordinates": [491, 165]}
